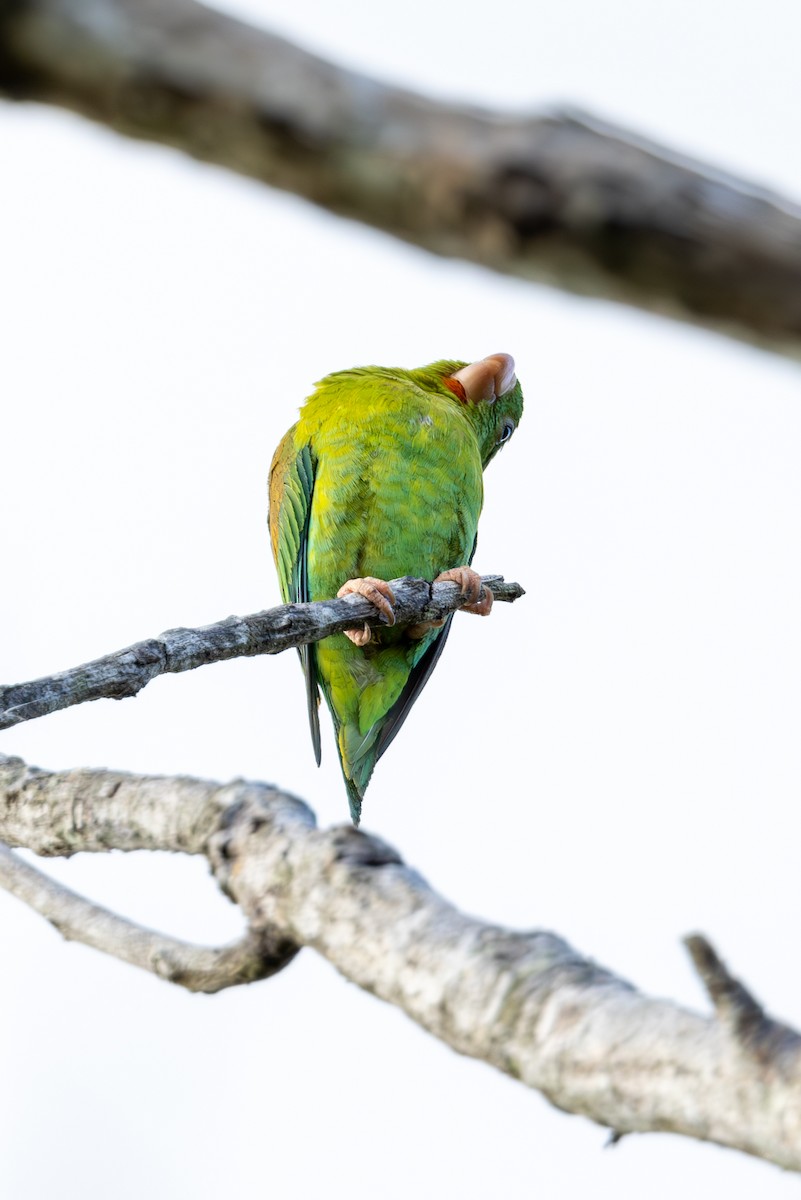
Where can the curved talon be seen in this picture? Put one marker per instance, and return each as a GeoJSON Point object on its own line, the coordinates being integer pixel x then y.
{"type": "Point", "coordinates": [379, 593]}
{"type": "Point", "coordinates": [482, 607]}
{"type": "Point", "coordinates": [479, 598]}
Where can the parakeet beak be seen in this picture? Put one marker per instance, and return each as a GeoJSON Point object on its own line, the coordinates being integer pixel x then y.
{"type": "Point", "coordinates": [489, 378]}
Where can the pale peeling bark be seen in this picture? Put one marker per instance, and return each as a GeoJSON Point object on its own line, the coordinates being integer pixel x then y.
{"type": "Point", "coordinates": [123, 673]}
{"type": "Point", "coordinates": [562, 198]}
{"type": "Point", "coordinates": [524, 1002]}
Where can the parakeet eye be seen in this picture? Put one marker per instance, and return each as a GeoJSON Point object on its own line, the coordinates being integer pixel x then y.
{"type": "Point", "coordinates": [507, 431]}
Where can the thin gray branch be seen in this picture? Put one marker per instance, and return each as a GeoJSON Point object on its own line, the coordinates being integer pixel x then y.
{"type": "Point", "coordinates": [562, 198]}
{"type": "Point", "coordinates": [125, 672]}
{"type": "Point", "coordinates": [524, 1002]}
{"type": "Point", "coordinates": [197, 968]}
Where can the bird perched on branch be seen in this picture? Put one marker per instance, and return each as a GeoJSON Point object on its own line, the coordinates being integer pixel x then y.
{"type": "Point", "coordinates": [382, 477]}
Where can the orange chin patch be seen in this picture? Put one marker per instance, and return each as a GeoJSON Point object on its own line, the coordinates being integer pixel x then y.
{"type": "Point", "coordinates": [455, 386]}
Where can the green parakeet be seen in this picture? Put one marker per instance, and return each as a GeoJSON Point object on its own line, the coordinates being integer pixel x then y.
{"type": "Point", "coordinates": [382, 477]}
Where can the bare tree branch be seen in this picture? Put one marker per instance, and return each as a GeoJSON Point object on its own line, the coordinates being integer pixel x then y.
{"type": "Point", "coordinates": [524, 1002]}
{"type": "Point", "coordinates": [125, 672]}
{"type": "Point", "coordinates": [562, 198]}
{"type": "Point", "coordinates": [96, 811]}
{"type": "Point", "coordinates": [197, 968]}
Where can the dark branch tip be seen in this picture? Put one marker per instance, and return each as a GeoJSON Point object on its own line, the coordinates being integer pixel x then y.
{"type": "Point", "coordinates": [724, 990]}
{"type": "Point", "coordinates": [768, 1042]}
{"type": "Point", "coordinates": [729, 996]}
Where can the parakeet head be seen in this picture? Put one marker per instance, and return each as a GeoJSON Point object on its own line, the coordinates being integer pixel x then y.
{"type": "Point", "coordinates": [490, 396]}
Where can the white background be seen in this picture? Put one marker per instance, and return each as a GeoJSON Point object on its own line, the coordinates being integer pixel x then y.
{"type": "Point", "coordinates": [622, 764]}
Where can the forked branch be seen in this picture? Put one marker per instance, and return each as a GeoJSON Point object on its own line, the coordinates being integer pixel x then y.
{"type": "Point", "coordinates": [524, 1002]}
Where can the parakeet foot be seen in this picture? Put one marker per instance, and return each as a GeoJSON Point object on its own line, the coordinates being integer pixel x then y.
{"type": "Point", "coordinates": [469, 581]}
{"type": "Point", "coordinates": [379, 593]}
{"type": "Point", "coordinates": [479, 597]}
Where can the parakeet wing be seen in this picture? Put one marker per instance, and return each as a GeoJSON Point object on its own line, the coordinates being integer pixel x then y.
{"type": "Point", "coordinates": [417, 680]}
{"type": "Point", "coordinates": [292, 477]}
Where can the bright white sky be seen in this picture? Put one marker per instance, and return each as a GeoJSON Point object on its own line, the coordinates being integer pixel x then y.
{"type": "Point", "coordinates": [630, 753]}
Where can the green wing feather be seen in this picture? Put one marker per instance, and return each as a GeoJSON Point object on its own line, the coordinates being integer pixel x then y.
{"type": "Point", "coordinates": [418, 678]}
{"type": "Point", "coordinates": [292, 476]}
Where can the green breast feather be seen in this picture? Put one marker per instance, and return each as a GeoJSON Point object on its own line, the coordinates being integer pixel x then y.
{"type": "Point", "coordinates": [382, 476]}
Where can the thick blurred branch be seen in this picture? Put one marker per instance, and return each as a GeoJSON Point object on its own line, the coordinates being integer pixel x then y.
{"type": "Point", "coordinates": [561, 198]}
{"type": "Point", "coordinates": [525, 1003]}
{"type": "Point", "coordinates": [125, 672]}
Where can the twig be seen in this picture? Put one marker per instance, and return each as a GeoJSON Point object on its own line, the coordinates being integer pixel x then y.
{"type": "Point", "coordinates": [197, 968]}
{"type": "Point", "coordinates": [125, 672]}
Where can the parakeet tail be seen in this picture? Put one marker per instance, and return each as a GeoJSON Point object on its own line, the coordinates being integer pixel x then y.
{"type": "Point", "coordinates": [357, 754]}
{"type": "Point", "coordinates": [354, 800]}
